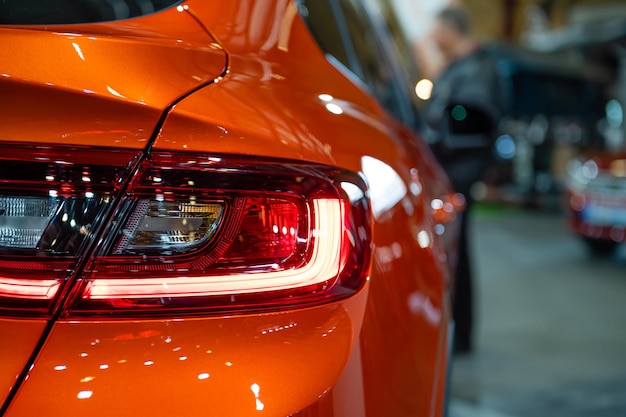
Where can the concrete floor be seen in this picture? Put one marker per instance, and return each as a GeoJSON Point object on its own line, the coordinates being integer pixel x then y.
{"type": "Point", "coordinates": [551, 331]}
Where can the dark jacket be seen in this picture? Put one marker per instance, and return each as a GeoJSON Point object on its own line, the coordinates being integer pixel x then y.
{"type": "Point", "coordinates": [473, 83]}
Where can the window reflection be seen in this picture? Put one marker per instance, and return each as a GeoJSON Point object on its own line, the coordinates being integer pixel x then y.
{"type": "Point", "coordinates": [386, 186]}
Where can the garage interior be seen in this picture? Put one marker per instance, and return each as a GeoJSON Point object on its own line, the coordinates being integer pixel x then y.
{"type": "Point", "coordinates": [550, 330]}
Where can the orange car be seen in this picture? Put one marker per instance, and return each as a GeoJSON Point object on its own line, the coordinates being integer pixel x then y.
{"type": "Point", "coordinates": [205, 213]}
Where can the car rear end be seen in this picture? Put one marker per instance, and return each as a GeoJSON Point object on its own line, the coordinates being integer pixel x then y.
{"type": "Point", "coordinates": [192, 205]}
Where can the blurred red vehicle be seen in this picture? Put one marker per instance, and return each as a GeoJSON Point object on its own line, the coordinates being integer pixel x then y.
{"type": "Point", "coordinates": [204, 212]}
{"type": "Point", "coordinates": [596, 195]}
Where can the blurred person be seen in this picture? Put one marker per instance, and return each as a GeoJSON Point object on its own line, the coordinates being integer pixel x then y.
{"type": "Point", "coordinates": [468, 86]}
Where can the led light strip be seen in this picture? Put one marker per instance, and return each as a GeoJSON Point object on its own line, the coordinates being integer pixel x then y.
{"type": "Point", "coordinates": [28, 289]}
{"type": "Point", "coordinates": [324, 265]}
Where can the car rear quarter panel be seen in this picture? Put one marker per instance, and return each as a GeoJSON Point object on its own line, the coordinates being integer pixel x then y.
{"type": "Point", "coordinates": [269, 104]}
{"type": "Point", "coordinates": [263, 364]}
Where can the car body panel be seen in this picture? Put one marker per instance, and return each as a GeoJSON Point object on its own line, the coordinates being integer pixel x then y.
{"type": "Point", "coordinates": [113, 80]}
{"type": "Point", "coordinates": [279, 98]}
{"type": "Point", "coordinates": [19, 338]}
{"type": "Point", "coordinates": [194, 366]}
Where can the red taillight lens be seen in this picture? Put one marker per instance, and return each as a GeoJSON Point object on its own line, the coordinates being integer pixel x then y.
{"type": "Point", "coordinates": [269, 230]}
{"type": "Point", "coordinates": [50, 203]}
{"type": "Point", "coordinates": [199, 233]}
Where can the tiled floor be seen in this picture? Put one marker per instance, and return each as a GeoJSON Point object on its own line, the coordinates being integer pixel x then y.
{"type": "Point", "coordinates": [551, 336]}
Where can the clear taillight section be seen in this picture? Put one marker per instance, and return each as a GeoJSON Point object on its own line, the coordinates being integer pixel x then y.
{"type": "Point", "coordinates": [23, 220]}
{"type": "Point", "coordinates": [50, 202]}
{"type": "Point", "coordinates": [107, 234]}
{"type": "Point", "coordinates": [161, 227]}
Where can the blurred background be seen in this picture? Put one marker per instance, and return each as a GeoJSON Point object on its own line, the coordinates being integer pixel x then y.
{"type": "Point", "coordinates": [547, 233]}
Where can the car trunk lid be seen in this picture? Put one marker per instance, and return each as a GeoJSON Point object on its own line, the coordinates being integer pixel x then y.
{"type": "Point", "coordinates": [64, 90]}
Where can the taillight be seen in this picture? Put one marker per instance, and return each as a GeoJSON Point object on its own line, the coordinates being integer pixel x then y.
{"type": "Point", "coordinates": [95, 231]}
{"type": "Point", "coordinates": [50, 203]}
{"type": "Point", "coordinates": [199, 233]}
{"type": "Point", "coordinates": [24, 219]}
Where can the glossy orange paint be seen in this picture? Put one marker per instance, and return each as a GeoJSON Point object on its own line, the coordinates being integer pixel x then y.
{"type": "Point", "coordinates": [382, 353]}
{"type": "Point", "coordinates": [101, 84]}
{"type": "Point", "coordinates": [18, 339]}
{"type": "Point", "coordinates": [238, 366]}
{"type": "Point", "coordinates": [275, 81]}
{"type": "Point", "coordinates": [95, 85]}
